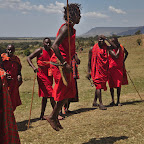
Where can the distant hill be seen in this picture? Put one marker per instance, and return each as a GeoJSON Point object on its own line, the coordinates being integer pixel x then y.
{"type": "Point", "coordinates": [108, 31]}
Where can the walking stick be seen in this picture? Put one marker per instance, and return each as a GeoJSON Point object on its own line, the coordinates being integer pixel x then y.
{"type": "Point", "coordinates": [31, 100]}
{"type": "Point", "coordinates": [134, 86]}
{"type": "Point", "coordinates": [69, 36]}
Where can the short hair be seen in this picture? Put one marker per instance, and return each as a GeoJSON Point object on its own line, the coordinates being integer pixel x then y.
{"type": "Point", "coordinates": [46, 38]}
{"type": "Point", "coordinates": [73, 7]}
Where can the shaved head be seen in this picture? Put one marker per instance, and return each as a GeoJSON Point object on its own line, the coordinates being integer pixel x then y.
{"type": "Point", "coordinates": [10, 50]}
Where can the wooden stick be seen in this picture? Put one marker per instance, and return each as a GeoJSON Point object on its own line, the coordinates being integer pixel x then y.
{"type": "Point", "coordinates": [31, 100]}
{"type": "Point", "coordinates": [69, 37]}
{"type": "Point", "coordinates": [134, 86]}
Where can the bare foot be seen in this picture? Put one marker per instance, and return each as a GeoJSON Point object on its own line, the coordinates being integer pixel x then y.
{"type": "Point", "coordinates": [95, 104]}
{"type": "Point", "coordinates": [112, 104]}
{"type": "Point", "coordinates": [59, 125]}
{"type": "Point", "coordinates": [60, 117]}
{"type": "Point", "coordinates": [68, 111]}
{"type": "Point", "coordinates": [102, 107]}
{"type": "Point", "coordinates": [118, 104]}
{"type": "Point", "coordinates": [52, 122]}
{"type": "Point", "coordinates": [42, 118]}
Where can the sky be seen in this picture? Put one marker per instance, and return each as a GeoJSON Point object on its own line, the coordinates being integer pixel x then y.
{"type": "Point", "coordinates": [42, 18]}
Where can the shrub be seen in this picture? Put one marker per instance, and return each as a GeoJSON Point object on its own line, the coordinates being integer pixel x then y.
{"type": "Point", "coordinates": [27, 52]}
{"type": "Point", "coordinates": [138, 32]}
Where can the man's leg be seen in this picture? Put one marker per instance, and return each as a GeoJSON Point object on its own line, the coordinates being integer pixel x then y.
{"type": "Point", "coordinates": [101, 106]}
{"type": "Point", "coordinates": [118, 96]}
{"type": "Point", "coordinates": [66, 107]}
{"type": "Point", "coordinates": [95, 104]}
{"type": "Point", "coordinates": [53, 118]}
{"type": "Point", "coordinates": [52, 101]}
{"type": "Point", "coordinates": [112, 96]}
{"type": "Point", "coordinates": [44, 102]}
{"type": "Point", "coordinates": [76, 89]}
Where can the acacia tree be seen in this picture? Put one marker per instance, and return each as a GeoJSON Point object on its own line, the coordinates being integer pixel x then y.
{"type": "Point", "coordinates": [138, 32]}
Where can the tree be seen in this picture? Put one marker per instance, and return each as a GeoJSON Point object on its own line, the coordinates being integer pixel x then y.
{"type": "Point", "coordinates": [138, 32]}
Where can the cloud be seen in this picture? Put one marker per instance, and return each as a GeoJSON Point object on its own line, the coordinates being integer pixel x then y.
{"type": "Point", "coordinates": [27, 6]}
{"type": "Point", "coordinates": [95, 15]}
{"type": "Point", "coordinates": [119, 11]}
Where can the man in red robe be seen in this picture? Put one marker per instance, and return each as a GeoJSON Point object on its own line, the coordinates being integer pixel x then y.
{"type": "Point", "coordinates": [98, 68]}
{"type": "Point", "coordinates": [44, 73]}
{"type": "Point", "coordinates": [12, 66]}
{"type": "Point", "coordinates": [64, 88]}
{"type": "Point", "coordinates": [8, 127]}
{"type": "Point", "coordinates": [117, 72]}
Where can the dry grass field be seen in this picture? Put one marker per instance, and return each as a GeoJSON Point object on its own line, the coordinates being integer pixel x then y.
{"type": "Point", "coordinates": [88, 125]}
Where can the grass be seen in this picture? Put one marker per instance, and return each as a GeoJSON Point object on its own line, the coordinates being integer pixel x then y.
{"type": "Point", "coordinates": [87, 125]}
{"type": "Point", "coordinates": [19, 40]}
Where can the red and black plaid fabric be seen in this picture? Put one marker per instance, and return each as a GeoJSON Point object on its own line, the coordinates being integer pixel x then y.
{"type": "Point", "coordinates": [9, 133]}
{"type": "Point", "coordinates": [75, 69]}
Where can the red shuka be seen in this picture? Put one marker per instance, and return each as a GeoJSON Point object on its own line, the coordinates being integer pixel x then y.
{"type": "Point", "coordinates": [8, 127]}
{"type": "Point", "coordinates": [44, 74]}
{"type": "Point", "coordinates": [60, 91]}
{"type": "Point", "coordinates": [12, 66]}
{"type": "Point", "coordinates": [117, 73]}
{"type": "Point", "coordinates": [99, 66]}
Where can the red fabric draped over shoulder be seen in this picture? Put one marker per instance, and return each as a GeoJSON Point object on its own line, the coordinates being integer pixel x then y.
{"type": "Point", "coordinates": [44, 74]}
{"type": "Point", "coordinates": [99, 66]}
{"type": "Point", "coordinates": [60, 91]}
{"type": "Point", "coordinates": [64, 46]}
{"type": "Point", "coordinates": [117, 72]}
{"type": "Point", "coordinates": [12, 66]}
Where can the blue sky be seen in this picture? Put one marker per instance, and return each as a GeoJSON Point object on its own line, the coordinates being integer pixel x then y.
{"type": "Point", "coordinates": [40, 18]}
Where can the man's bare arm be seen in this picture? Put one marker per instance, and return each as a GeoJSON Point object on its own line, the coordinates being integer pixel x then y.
{"type": "Point", "coordinates": [89, 64]}
{"type": "Point", "coordinates": [126, 54]}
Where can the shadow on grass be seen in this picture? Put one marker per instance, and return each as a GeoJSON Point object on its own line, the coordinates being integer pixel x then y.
{"type": "Point", "coordinates": [106, 140]}
{"type": "Point", "coordinates": [128, 103]}
{"type": "Point", "coordinates": [79, 111]}
{"type": "Point", "coordinates": [132, 102]}
{"type": "Point", "coordinates": [22, 126]}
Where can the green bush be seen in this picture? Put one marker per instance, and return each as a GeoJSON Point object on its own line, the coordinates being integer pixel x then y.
{"type": "Point", "coordinates": [27, 52]}
{"type": "Point", "coordinates": [138, 32]}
